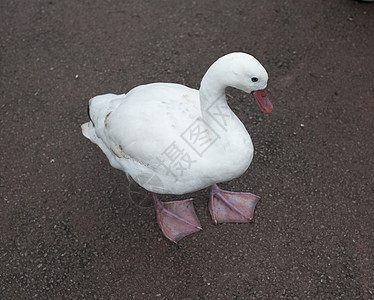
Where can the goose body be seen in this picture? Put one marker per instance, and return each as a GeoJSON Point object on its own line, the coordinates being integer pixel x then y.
{"type": "Point", "coordinates": [172, 139]}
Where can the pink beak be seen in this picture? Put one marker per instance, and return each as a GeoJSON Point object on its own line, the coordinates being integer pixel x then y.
{"type": "Point", "coordinates": [263, 101]}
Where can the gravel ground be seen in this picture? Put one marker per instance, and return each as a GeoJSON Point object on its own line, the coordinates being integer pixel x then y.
{"type": "Point", "coordinates": [72, 227]}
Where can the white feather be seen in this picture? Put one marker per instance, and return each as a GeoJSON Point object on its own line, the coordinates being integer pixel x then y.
{"type": "Point", "coordinates": [173, 139]}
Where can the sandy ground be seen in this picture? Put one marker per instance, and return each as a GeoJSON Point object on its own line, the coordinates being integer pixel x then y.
{"type": "Point", "coordinates": [72, 227]}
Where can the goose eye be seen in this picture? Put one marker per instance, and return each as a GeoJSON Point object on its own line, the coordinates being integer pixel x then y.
{"type": "Point", "coordinates": [254, 79]}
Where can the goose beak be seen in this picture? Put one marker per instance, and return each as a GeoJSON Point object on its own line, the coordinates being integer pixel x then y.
{"type": "Point", "coordinates": [263, 101]}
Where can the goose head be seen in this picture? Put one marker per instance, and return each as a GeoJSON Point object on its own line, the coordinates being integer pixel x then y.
{"type": "Point", "coordinates": [244, 72]}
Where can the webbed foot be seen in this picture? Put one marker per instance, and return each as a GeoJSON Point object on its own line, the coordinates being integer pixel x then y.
{"type": "Point", "coordinates": [234, 207]}
{"type": "Point", "coordinates": [176, 219]}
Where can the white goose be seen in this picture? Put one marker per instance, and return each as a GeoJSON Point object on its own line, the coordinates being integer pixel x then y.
{"type": "Point", "coordinates": [172, 139]}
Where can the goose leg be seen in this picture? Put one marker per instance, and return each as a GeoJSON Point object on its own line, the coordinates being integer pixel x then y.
{"type": "Point", "coordinates": [176, 219]}
{"type": "Point", "coordinates": [226, 207]}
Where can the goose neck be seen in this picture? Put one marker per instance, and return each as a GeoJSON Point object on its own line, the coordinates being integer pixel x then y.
{"type": "Point", "coordinates": [212, 94]}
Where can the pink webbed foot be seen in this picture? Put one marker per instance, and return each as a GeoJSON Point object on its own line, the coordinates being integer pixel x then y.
{"type": "Point", "coordinates": [226, 207]}
{"type": "Point", "coordinates": [176, 219]}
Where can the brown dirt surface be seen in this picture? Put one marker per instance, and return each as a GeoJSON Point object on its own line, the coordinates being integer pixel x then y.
{"type": "Point", "coordinates": [72, 227]}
